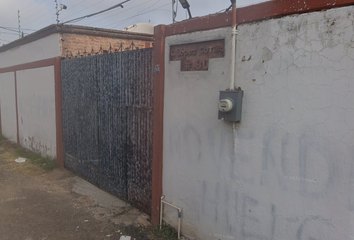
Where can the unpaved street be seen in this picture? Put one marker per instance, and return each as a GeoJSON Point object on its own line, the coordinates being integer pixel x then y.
{"type": "Point", "coordinates": [35, 205]}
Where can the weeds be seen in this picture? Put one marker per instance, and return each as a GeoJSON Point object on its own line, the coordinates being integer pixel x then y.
{"type": "Point", "coordinates": [2, 138]}
{"type": "Point", "coordinates": [44, 162]}
{"type": "Point", "coordinates": [166, 232]}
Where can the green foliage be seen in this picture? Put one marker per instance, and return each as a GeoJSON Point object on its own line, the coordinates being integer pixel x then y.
{"type": "Point", "coordinates": [166, 232]}
{"type": "Point", "coordinates": [2, 138]}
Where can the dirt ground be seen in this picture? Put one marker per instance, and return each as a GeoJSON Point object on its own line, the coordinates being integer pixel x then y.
{"type": "Point", "coordinates": [39, 205]}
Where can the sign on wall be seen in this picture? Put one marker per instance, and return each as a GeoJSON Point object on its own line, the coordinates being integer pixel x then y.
{"type": "Point", "coordinates": [195, 56]}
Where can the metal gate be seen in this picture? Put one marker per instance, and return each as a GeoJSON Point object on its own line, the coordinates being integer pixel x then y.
{"type": "Point", "coordinates": [107, 103]}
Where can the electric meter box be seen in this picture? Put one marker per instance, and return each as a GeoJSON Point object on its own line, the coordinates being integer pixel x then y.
{"type": "Point", "coordinates": [230, 105]}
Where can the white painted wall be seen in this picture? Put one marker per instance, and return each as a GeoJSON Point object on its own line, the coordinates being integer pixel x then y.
{"type": "Point", "coordinates": [44, 48]}
{"type": "Point", "coordinates": [36, 110]}
{"type": "Point", "coordinates": [8, 106]}
{"type": "Point", "coordinates": [287, 171]}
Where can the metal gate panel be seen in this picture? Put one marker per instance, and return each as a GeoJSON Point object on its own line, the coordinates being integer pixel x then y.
{"type": "Point", "coordinates": [108, 122]}
{"type": "Point", "coordinates": [79, 102]}
{"type": "Point", "coordinates": [140, 130]}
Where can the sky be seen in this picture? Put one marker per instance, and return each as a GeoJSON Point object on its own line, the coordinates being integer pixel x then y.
{"type": "Point", "coordinates": [37, 14]}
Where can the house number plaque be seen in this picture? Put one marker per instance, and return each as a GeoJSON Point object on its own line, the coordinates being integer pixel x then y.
{"type": "Point", "coordinates": [195, 56]}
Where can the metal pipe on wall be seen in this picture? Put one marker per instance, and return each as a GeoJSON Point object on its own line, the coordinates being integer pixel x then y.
{"type": "Point", "coordinates": [179, 215]}
{"type": "Point", "coordinates": [233, 50]}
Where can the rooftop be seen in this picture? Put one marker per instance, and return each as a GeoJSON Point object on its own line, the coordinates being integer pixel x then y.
{"type": "Point", "coordinates": [73, 29]}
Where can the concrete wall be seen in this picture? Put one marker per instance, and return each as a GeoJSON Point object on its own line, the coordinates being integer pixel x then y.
{"type": "Point", "coordinates": [8, 105]}
{"type": "Point", "coordinates": [287, 170]}
{"type": "Point", "coordinates": [36, 110]}
{"type": "Point", "coordinates": [44, 48]}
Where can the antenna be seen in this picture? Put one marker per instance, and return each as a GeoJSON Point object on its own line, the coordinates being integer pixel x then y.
{"type": "Point", "coordinates": [19, 24]}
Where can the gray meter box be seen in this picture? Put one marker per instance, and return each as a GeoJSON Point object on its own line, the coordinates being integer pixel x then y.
{"type": "Point", "coordinates": [230, 105]}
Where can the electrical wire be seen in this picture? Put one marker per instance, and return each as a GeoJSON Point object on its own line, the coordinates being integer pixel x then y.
{"type": "Point", "coordinates": [26, 20]}
{"type": "Point", "coordinates": [150, 6]}
{"type": "Point", "coordinates": [114, 13]}
{"type": "Point", "coordinates": [66, 19]}
{"type": "Point", "coordinates": [9, 29]}
{"type": "Point", "coordinates": [72, 7]}
{"type": "Point", "coordinates": [41, 17]}
{"type": "Point", "coordinates": [8, 33]}
{"type": "Point", "coordinates": [94, 14]}
{"type": "Point", "coordinates": [29, 10]}
{"type": "Point", "coordinates": [26, 7]}
{"type": "Point", "coordinates": [139, 5]}
{"type": "Point", "coordinates": [155, 9]}
{"type": "Point", "coordinates": [10, 20]}
{"type": "Point", "coordinates": [14, 28]}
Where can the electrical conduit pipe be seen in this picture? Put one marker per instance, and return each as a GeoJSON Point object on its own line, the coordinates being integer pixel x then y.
{"type": "Point", "coordinates": [179, 215]}
{"type": "Point", "coordinates": [233, 50]}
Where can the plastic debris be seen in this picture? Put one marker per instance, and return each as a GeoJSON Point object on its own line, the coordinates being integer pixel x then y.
{"type": "Point", "coordinates": [77, 228]}
{"type": "Point", "coordinates": [125, 238]}
{"type": "Point", "coordinates": [86, 220]}
{"type": "Point", "coordinates": [21, 160]}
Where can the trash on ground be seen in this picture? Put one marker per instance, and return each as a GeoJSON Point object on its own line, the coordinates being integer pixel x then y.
{"type": "Point", "coordinates": [125, 238]}
{"type": "Point", "coordinates": [86, 220]}
{"type": "Point", "coordinates": [21, 160]}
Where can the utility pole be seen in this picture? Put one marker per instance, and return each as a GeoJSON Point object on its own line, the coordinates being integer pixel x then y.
{"type": "Point", "coordinates": [19, 24]}
{"type": "Point", "coordinates": [57, 11]}
{"type": "Point", "coordinates": [174, 10]}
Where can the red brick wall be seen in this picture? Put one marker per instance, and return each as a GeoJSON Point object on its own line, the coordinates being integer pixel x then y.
{"type": "Point", "coordinates": [73, 43]}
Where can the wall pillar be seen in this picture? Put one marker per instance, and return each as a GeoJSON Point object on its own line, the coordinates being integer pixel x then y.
{"type": "Point", "coordinates": [159, 86]}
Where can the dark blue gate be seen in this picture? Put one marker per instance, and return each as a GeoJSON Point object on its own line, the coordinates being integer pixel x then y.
{"type": "Point", "coordinates": [108, 122]}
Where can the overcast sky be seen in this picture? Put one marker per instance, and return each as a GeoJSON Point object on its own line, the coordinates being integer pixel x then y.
{"type": "Point", "coordinates": [37, 14]}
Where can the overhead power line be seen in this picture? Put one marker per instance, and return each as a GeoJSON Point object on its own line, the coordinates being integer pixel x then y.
{"type": "Point", "coordinates": [10, 33]}
{"type": "Point", "coordinates": [8, 29]}
{"type": "Point", "coordinates": [67, 17]}
{"type": "Point", "coordinates": [154, 9]}
{"type": "Point", "coordinates": [115, 14]}
{"type": "Point", "coordinates": [125, 11]}
{"type": "Point", "coordinates": [28, 9]}
{"type": "Point", "coordinates": [43, 7]}
{"type": "Point", "coordinates": [14, 28]}
{"type": "Point", "coordinates": [94, 14]}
